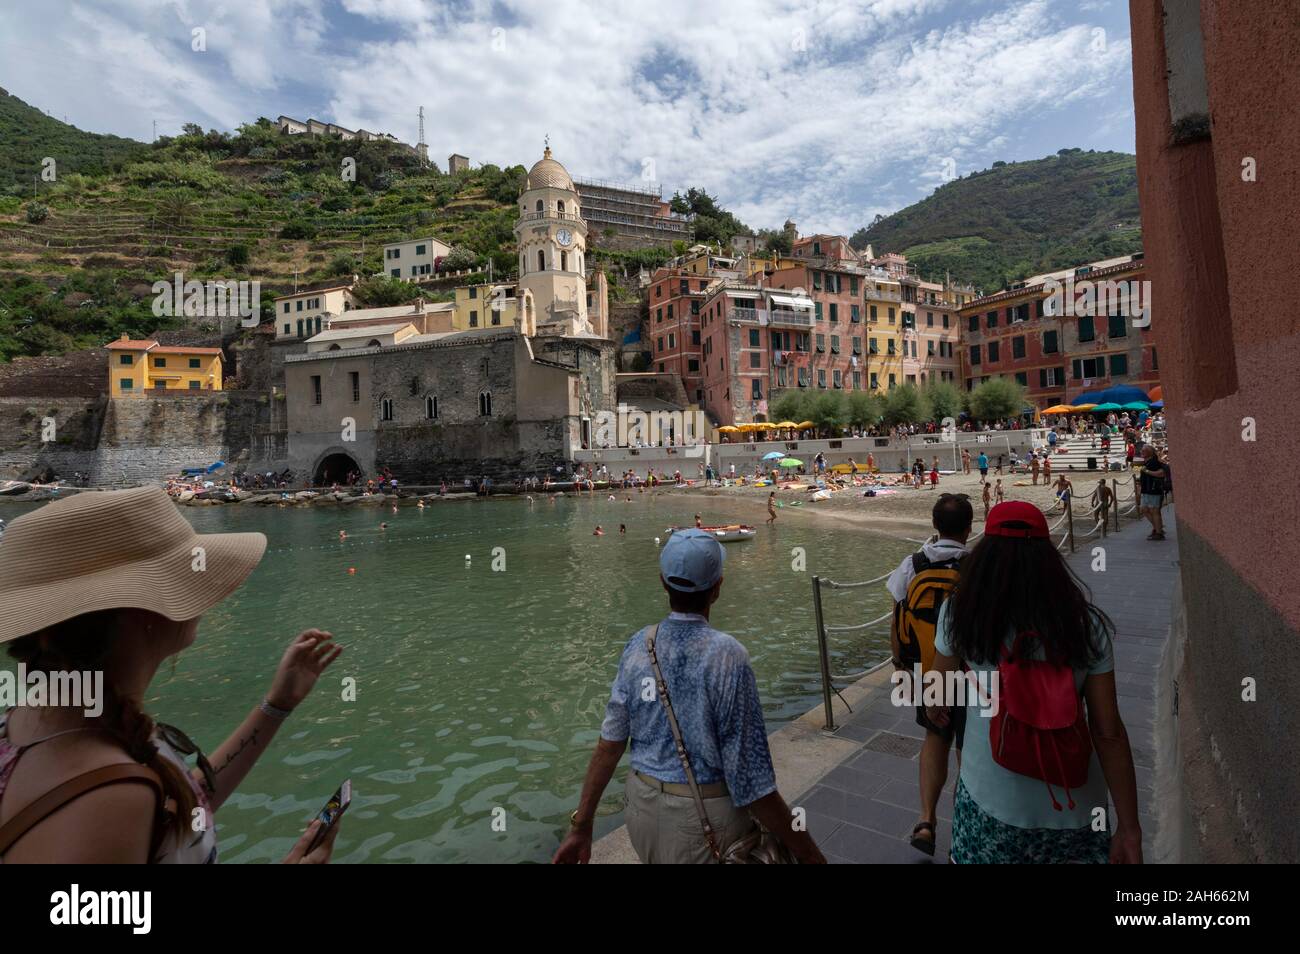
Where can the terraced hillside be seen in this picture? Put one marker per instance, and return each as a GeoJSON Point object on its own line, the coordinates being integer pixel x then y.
{"type": "Point", "coordinates": [77, 261]}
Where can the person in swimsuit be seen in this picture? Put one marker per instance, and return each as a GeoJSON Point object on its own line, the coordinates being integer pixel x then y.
{"type": "Point", "coordinates": [113, 783]}
{"type": "Point", "coordinates": [771, 507]}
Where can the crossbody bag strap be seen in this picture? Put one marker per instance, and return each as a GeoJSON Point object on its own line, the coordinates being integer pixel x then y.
{"type": "Point", "coordinates": [661, 687]}
{"type": "Point", "coordinates": [49, 803]}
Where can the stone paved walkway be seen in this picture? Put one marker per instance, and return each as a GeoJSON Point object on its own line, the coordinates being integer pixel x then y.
{"type": "Point", "coordinates": [864, 808]}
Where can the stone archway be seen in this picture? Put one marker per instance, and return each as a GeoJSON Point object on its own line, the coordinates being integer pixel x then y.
{"type": "Point", "coordinates": [333, 468]}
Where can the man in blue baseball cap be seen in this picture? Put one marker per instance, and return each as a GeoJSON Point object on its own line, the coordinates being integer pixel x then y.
{"type": "Point", "coordinates": [708, 689]}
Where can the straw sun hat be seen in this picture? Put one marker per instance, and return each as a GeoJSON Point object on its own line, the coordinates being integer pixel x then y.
{"type": "Point", "coordinates": [115, 549]}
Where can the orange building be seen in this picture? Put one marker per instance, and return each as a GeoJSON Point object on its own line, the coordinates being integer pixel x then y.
{"type": "Point", "coordinates": [136, 366]}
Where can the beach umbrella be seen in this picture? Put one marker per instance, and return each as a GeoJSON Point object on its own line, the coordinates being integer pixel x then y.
{"type": "Point", "coordinates": [1085, 407]}
{"type": "Point", "coordinates": [729, 429]}
{"type": "Point", "coordinates": [1058, 409]}
{"type": "Point", "coordinates": [1157, 394]}
{"type": "Point", "coordinates": [1157, 405]}
{"type": "Point", "coordinates": [775, 455]}
{"type": "Point", "coordinates": [786, 425]}
{"type": "Point", "coordinates": [791, 462]}
{"type": "Point", "coordinates": [1108, 406]}
{"type": "Point", "coordinates": [1136, 406]}
{"type": "Point", "coordinates": [803, 425]}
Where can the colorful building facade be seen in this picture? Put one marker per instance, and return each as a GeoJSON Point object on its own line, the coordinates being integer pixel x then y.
{"type": "Point", "coordinates": [137, 366]}
{"type": "Point", "coordinates": [1064, 333]}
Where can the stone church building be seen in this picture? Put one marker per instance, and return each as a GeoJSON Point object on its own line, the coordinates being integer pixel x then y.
{"type": "Point", "coordinates": [501, 401]}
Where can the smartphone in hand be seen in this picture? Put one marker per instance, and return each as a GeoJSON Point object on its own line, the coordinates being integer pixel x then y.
{"type": "Point", "coordinates": [332, 812]}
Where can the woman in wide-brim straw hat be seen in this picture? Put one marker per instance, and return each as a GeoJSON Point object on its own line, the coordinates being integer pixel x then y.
{"type": "Point", "coordinates": [114, 583]}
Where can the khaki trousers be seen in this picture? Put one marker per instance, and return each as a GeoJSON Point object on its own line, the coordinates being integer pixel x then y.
{"type": "Point", "coordinates": [665, 829]}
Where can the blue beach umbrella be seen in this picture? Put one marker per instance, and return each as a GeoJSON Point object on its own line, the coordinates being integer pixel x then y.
{"type": "Point", "coordinates": [775, 455]}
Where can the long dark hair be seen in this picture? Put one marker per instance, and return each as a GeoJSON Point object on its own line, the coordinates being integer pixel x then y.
{"type": "Point", "coordinates": [86, 643]}
{"type": "Point", "coordinates": [1013, 583]}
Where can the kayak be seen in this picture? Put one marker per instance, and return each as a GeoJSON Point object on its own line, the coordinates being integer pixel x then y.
{"type": "Point", "coordinates": [727, 534]}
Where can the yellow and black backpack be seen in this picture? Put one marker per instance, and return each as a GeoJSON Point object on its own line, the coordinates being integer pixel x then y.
{"type": "Point", "coordinates": [916, 618]}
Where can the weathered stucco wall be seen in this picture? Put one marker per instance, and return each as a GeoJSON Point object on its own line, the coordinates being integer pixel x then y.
{"type": "Point", "coordinates": [1218, 207]}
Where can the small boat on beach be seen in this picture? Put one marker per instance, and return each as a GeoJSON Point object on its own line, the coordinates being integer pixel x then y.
{"type": "Point", "coordinates": [727, 534]}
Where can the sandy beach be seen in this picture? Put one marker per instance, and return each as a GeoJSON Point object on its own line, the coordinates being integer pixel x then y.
{"type": "Point", "coordinates": [906, 512]}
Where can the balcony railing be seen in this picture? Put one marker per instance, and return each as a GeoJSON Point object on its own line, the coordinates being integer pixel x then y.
{"type": "Point", "coordinates": [548, 214]}
{"type": "Point", "coordinates": [790, 318]}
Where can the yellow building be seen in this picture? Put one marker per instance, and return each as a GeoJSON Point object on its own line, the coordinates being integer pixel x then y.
{"type": "Point", "coordinates": [485, 306]}
{"type": "Point", "coordinates": [136, 366]}
{"type": "Point", "coordinates": [883, 301]}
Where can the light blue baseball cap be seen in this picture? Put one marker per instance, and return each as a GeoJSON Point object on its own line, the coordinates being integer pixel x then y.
{"type": "Point", "coordinates": [691, 561]}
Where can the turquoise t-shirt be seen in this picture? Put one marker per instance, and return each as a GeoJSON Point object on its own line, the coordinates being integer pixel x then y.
{"type": "Point", "coordinates": [1008, 796]}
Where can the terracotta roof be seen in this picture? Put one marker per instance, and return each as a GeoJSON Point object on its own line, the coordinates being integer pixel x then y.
{"type": "Point", "coordinates": [183, 350]}
{"type": "Point", "coordinates": [126, 344]}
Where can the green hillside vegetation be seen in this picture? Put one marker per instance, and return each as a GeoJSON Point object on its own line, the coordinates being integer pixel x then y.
{"type": "Point", "coordinates": [1018, 219]}
{"type": "Point", "coordinates": [29, 136]}
{"type": "Point", "coordinates": [253, 204]}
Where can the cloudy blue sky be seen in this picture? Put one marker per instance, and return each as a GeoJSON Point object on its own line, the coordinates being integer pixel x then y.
{"type": "Point", "coordinates": [824, 112]}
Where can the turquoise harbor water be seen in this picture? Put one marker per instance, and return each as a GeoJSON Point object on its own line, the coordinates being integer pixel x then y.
{"type": "Point", "coordinates": [476, 689]}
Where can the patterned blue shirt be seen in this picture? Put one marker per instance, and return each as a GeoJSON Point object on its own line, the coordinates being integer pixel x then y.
{"type": "Point", "coordinates": [714, 694]}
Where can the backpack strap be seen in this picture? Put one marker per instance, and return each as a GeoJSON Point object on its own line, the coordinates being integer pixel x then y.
{"type": "Point", "coordinates": [65, 792]}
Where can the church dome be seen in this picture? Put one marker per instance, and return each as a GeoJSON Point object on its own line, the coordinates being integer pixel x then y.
{"type": "Point", "coordinates": [548, 174]}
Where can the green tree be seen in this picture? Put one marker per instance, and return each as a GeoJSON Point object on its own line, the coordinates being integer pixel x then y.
{"type": "Point", "coordinates": [944, 398]}
{"type": "Point", "coordinates": [791, 405]}
{"type": "Point", "coordinates": [828, 412]}
{"type": "Point", "coordinates": [865, 408]}
{"type": "Point", "coordinates": [384, 292]}
{"type": "Point", "coordinates": [906, 404]}
{"type": "Point", "coordinates": [37, 212]}
{"type": "Point", "coordinates": [997, 398]}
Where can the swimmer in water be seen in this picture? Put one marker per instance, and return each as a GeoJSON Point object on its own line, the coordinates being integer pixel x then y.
{"type": "Point", "coordinates": [598, 532]}
{"type": "Point", "coordinates": [343, 534]}
{"type": "Point", "coordinates": [622, 529]}
{"type": "Point", "coordinates": [611, 496]}
{"type": "Point", "coordinates": [420, 504]}
{"type": "Point", "coordinates": [383, 526]}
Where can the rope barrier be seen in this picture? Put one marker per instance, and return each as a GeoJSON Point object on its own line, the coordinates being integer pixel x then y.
{"type": "Point", "coordinates": [849, 586]}
{"type": "Point", "coordinates": [873, 622]}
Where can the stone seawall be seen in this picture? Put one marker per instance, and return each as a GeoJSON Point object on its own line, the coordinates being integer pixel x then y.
{"type": "Point", "coordinates": [130, 441]}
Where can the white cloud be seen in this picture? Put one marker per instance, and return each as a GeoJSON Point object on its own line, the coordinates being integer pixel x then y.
{"type": "Point", "coordinates": [824, 112]}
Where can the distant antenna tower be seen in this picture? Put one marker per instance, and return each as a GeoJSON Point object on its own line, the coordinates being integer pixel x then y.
{"type": "Point", "coordinates": [421, 148]}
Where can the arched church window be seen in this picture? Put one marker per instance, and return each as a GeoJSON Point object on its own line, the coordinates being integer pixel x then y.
{"type": "Point", "coordinates": [540, 205]}
{"type": "Point", "coordinates": [431, 407]}
{"type": "Point", "coordinates": [485, 404]}
{"type": "Point", "coordinates": [564, 261]}
{"type": "Point", "coordinates": [559, 206]}
{"type": "Point", "coordinates": [386, 409]}
{"type": "Point", "coordinates": [541, 260]}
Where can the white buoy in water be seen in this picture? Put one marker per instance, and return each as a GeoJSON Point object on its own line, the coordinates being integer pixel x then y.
{"type": "Point", "coordinates": [467, 558]}
{"type": "Point", "coordinates": [656, 541]}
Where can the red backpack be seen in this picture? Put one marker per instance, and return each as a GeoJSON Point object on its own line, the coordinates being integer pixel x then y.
{"type": "Point", "coordinates": [1039, 729]}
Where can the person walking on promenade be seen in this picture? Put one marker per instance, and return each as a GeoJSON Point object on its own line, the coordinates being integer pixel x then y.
{"type": "Point", "coordinates": [919, 585]}
{"type": "Point", "coordinates": [699, 743]}
{"type": "Point", "coordinates": [1151, 481]}
{"type": "Point", "coordinates": [1028, 790]}
{"type": "Point", "coordinates": [110, 583]}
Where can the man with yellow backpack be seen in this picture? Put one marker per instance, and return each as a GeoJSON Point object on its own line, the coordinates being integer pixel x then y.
{"type": "Point", "coordinates": [919, 587]}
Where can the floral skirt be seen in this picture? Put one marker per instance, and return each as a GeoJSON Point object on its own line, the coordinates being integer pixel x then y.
{"type": "Point", "coordinates": [979, 838]}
